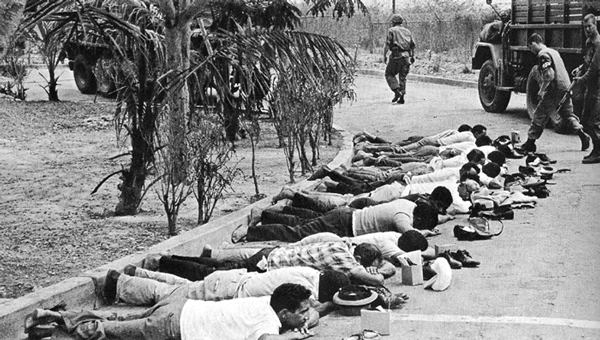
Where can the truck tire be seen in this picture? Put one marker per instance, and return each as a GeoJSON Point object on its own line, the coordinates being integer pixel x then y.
{"type": "Point", "coordinates": [491, 98]}
{"type": "Point", "coordinates": [104, 82]}
{"type": "Point", "coordinates": [84, 75]}
{"type": "Point", "coordinates": [533, 87]}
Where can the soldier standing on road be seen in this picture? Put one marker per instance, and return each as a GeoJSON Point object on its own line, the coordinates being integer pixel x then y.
{"type": "Point", "coordinates": [590, 82]}
{"type": "Point", "coordinates": [555, 83]}
{"type": "Point", "coordinates": [400, 42]}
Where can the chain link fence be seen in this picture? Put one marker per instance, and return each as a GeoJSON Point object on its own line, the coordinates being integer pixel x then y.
{"type": "Point", "coordinates": [452, 33]}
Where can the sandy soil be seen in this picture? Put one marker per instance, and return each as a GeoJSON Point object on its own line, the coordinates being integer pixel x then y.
{"type": "Point", "coordinates": [52, 156]}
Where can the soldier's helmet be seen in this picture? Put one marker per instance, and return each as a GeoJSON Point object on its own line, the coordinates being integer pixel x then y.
{"type": "Point", "coordinates": [396, 19]}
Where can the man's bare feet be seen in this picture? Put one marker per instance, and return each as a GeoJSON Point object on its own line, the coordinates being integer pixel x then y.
{"type": "Point", "coordinates": [41, 317]}
{"type": "Point", "coordinates": [151, 261]}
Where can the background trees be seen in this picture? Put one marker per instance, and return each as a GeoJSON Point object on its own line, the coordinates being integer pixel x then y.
{"type": "Point", "coordinates": [163, 77]}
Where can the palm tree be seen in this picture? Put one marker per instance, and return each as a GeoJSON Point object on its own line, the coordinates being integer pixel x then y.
{"type": "Point", "coordinates": [152, 45]}
{"type": "Point", "coordinates": [12, 12]}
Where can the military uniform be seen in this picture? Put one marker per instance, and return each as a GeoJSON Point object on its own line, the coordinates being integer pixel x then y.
{"type": "Point", "coordinates": [400, 42]}
{"type": "Point", "coordinates": [555, 83]}
{"type": "Point", "coordinates": [590, 81]}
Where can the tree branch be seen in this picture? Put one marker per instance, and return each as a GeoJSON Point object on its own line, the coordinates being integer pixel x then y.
{"type": "Point", "coordinates": [192, 11]}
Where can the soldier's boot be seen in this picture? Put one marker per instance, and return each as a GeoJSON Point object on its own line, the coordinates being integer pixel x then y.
{"type": "Point", "coordinates": [585, 139]}
{"type": "Point", "coordinates": [529, 146]}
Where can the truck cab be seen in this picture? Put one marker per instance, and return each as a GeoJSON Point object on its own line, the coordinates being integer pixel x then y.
{"type": "Point", "coordinates": [506, 65]}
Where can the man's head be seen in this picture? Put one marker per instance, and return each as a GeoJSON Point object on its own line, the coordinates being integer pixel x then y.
{"type": "Point", "coordinates": [425, 215]}
{"type": "Point", "coordinates": [290, 303]}
{"type": "Point", "coordinates": [483, 140]}
{"type": "Point", "coordinates": [330, 281]}
{"type": "Point", "coordinates": [590, 26]}
{"type": "Point", "coordinates": [535, 43]}
{"type": "Point", "coordinates": [491, 169]}
{"type": "Point", "coordinates": [442, 198]}
{"type": "Point", "coordinates": [368, 255]}
{"type": "Point", "coordinates": [476, 156]}
{"type": "Point", "coordinates": [469, 168]}
{"type": "Point", "coordinates": [464, 127]}
{"type": "Point", "coordinates": [412, 240]}
{"type": "Point", "coordinates": [467, 187]}
{"type": "Point", "coordinates": [497, 157]}
{"type": "Point", "coordinates": [479, 130]}
{"type": "Point", "coordinates": [396, 19]}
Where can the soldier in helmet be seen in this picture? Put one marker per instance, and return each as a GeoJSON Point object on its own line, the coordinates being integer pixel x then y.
{"type": "Point", "coordinates": [400, 42]}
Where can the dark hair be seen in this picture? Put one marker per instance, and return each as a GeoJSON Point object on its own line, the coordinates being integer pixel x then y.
{"type": "Point", "coordinates": [368, 254]}
{"type": "Point", "coordinates": [442, 196]}
{"type": "Point", "coordinates": [330, 282]}
{"type": "Point", "coordinates": [590, 17]}
{"type": "Point", "coordinates": [465, 176]}
{"type": "Point", "coordinates": [464, 127]}
{"type": "Point", "coordinates": [412, 240]}
{"type": "Point", "coordinates": [483, 140]}
{"type": "Point", "coordinates": [497, 157]}
{"type": "Point", "coordinates": [289, 296]}
{"type": "Point", "coordinates": [491, 169]}
{"type": "Point", "coordinates": [478, 129]}
{"type": "Point", "coordinates": [475, 156]}
{"type": "Point", "coordinates": [468, 166]}
{"type": "Point", "coordinates": [425, 215]}
{"type": "Point", "coordinates": [535, 38]}
{"type": "Point", "coordinates": [362, 202]}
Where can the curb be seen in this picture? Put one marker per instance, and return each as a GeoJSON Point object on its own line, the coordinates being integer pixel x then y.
{"type": "Point", "coordinates": [423, 78]}
{"type": "Point", "coordinates": [83, 292]}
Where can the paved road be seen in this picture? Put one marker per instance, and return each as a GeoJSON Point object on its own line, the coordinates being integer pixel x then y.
{"type": "Point", "coordinates": [539, 279]}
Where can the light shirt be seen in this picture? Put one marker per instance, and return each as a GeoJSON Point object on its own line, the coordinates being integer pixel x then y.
{"type": "Point", "coordinates": [328, 255]}
{"type": "Point", "coordinates": [437, 176]}
{"type": "Point", "coordinates": [387, 241]}
{"type": "Point", "coordinates": [465, 136]}
{"type": "Point", "coordinates": [262, 284]}
{"type": "Point", "coordinates": [462, 147]}
{"type": "Point", "coordinates": [238, 319]}
{"type": "Point", "coordinates": [396, 215]}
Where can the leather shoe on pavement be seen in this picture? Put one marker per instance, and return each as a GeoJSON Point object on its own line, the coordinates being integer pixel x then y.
{"type": "Point", "coordinates": [465, 258]}
{"type": "Point", "coordinates": [454, 264]}
{"type": "Point", "coordinates": [593, 159]}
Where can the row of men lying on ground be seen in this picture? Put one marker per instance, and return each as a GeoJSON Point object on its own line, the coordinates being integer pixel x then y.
{"type": "Point", "coordinates": [340, 239]}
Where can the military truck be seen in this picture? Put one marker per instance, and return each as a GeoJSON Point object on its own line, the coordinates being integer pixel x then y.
{"type": "Point", "coordinates": [505, 63]}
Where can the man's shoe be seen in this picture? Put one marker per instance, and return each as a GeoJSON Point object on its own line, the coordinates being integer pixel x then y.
{"type": "Point", "coordinates": [585, 140]}
{"type": "Point", "coordinates": [465, 258]}
{"type": "Point", "coordinates": [397, 96]}
{"type": "Point", "coordinates": [129, 270]}
{"type": "Point", "coordinates": [320, 173]}
{"type": "Point", "coordinates": [401, 99]}
{"type": "Point", "coordinates": [594, 152]}
{"type": "Point", "coordinates": [594, 159]}
{"type": "Point", "coordinates": [545, 159]}
{"type": "Point", "coordinates": [454, 264]}
{"type": "Point", "coordinates": [206, 251]}
{"type": "Point", "coordinates": [528, 146]}
{"type": "Point", "coordinates": [110, 286]}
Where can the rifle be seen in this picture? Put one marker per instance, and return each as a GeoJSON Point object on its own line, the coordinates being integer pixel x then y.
{"type": "Point", "coordinates": [566, 95]}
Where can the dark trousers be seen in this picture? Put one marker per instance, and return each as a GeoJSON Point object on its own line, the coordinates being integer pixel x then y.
{"type": "Point", "coordinates": [337, 221]}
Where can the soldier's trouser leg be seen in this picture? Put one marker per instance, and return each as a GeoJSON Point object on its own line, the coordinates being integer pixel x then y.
{"type": "Point", "coordinates": [391, 70]}
{"type": "Point", "coordinates": [541, 115]}
{"type": "Point", "coordinates": [591, 120]}
{"type": "Point", "coordinates": [403, 72]}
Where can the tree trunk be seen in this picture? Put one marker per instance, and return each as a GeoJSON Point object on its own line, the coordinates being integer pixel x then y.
{"type": "Point", "coordinates": [11, 12]}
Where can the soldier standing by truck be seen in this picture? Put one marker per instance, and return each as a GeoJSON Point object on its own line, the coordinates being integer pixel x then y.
{"type": "Point", "coordinates": [555, 83]}
{"type": "Point", "coordinates": [399, 40]}
{"type": "Point", "coordinates": [590, 81]}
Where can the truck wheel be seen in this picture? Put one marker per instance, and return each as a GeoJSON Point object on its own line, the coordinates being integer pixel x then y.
{"type": "Point", "coordinates": [533, 87]}
{"type": "Point", "coordinates": [84, 75]}
{"type": "Point", "coordinates": [104, 82]}
{"type": "Point", "coordinates": [491, 99]}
